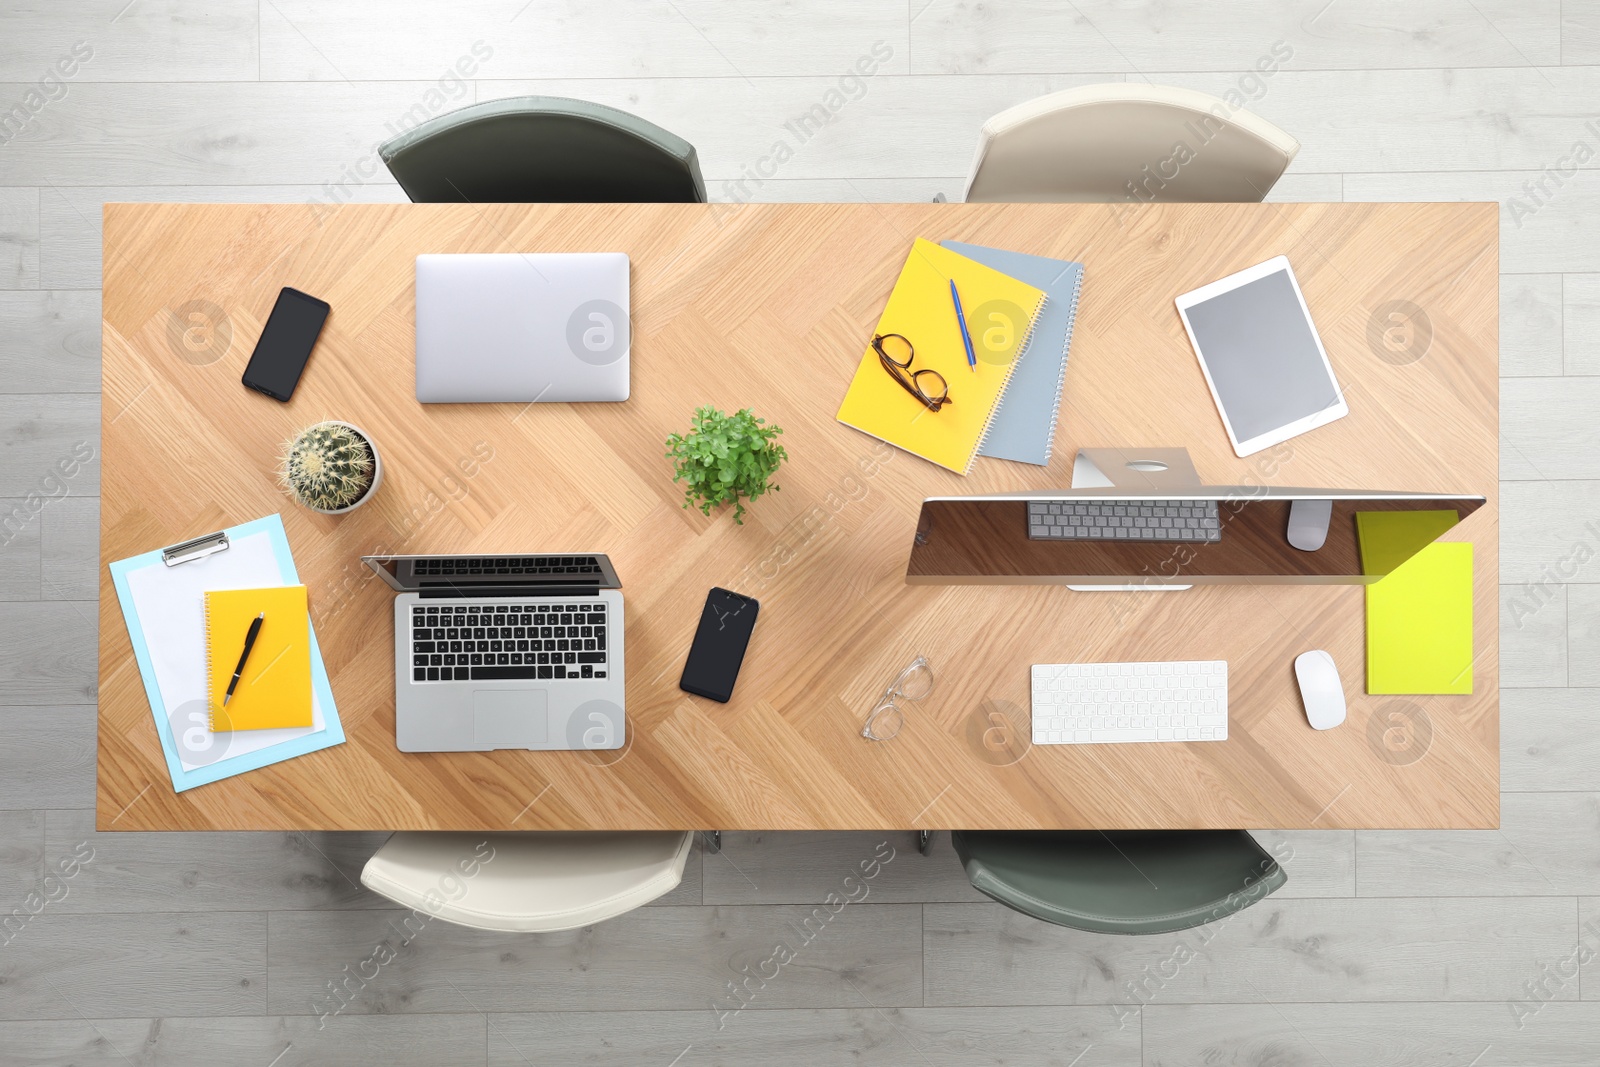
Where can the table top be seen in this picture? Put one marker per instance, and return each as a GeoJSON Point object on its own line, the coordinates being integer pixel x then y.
{"type": "Point", "coordinates": [769, 306]}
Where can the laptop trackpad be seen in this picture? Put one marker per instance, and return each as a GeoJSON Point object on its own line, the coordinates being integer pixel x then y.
{"type": "Point", "coordinates": [509, 718]}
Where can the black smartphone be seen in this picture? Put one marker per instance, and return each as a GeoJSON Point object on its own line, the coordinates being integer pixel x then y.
{"type": "Point", "coordinates": [719, 644]}
{"type": "Point", "coordinates": [285, 345]}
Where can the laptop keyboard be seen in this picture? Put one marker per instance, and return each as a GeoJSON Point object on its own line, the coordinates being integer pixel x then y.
{"type": "Point", "coordinates": [496, 642]}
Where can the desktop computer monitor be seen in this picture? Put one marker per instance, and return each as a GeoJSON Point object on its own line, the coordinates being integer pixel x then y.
{"type": "Point", "coordinates": [1201, 535]}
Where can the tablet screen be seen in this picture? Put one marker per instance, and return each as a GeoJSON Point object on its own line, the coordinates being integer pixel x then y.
{"type": "Point", "coordinates": [1258, 346]}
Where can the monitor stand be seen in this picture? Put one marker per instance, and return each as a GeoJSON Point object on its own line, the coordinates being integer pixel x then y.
{"type": "Point", "coordinates": [1136, 470]}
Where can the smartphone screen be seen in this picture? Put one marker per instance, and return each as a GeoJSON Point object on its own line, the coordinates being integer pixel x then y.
{"type": "Point", "coordinates": [719, 644]}
{"type": "Point", "coordinates": [285, 344]}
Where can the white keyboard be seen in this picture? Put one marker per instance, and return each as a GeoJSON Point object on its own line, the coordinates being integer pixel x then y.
{"type": "Point", "coordinates": [1096, 703]}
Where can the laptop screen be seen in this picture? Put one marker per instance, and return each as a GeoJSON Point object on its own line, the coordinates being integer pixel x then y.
{"type": "Point", "coordinates": [468, 574]}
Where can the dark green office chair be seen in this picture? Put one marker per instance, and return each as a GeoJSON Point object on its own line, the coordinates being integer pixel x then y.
{"type": "Point", "coordinates": [543, 150]}
{"type": "Point", "coordinates": [1120, 882]}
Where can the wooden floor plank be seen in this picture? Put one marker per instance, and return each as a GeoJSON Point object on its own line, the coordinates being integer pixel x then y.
{"type": "Point", "coordinates": [671, 958]}
{"type": "Point", "coordinates": [281, 1041]}
{"type": "Point", "coordinates": [1477, 949]}
{"type": "Point", "coordinates": [1548, 740]}
{"type": "Point", "coordinates": [302, 40]}
{"type": "Point", "coordinates": [1530, 324]}
{"type": "Point", "coordinates": [114, 41]}
{"type": "Point", "coordinates": [69, 549]}
{"type": "Point", "coordinates": [1581, 323]}
{"type": "Point", "coordinates": [1552, 534]}
{"type": "Point", "coordinates": [1533, 637]}
{"type": "Point", "coordinates": [213, 872]}
{"type": "Point", "coordinates": [50, 341]}
{"type": "Point", "coordinates": [803, 868]}
{"type": "Point", "coordinates": [48, 444]}
{"type": "Point", "coordinates": [50, 654]}
{"type": "Point", "coordinates": [1547, 428]}
{"type": "Point", "coordinates": [1373, 1035]}
{"type": "Point", "coordinates": [62, 966]}
{"type": "Point", "coordinates": [1583, 635]}
{"type": "Point", "coordinates": [19, 548]}
{"type": "Point", "coordinates": [21, 864]}
{"type": "Point", "coordinates": [863, 1035]}
{"type": "Point", "coordinates": [19, 238]}
{"type": "Point", "coordinates": [47, 760]}
{"type": "Point", "coordinates": [1150, 39]}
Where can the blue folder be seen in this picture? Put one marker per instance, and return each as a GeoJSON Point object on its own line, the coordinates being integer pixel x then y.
{"type": "Point", "coordinates": [1024, 423]}
{"type": "Point", "coordinates": [212, 563]}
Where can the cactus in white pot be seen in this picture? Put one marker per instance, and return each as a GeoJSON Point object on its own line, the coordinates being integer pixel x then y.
{"type": "Point", "coordinates": [331, 467]}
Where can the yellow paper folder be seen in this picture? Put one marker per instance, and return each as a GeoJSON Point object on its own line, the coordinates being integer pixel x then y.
{"type": "Point", "coordinates": [1419, 623]}
{"type": "Point", "coordinates": [275, 689]}
{"type": "Point", "coordinates": [1000, 313]}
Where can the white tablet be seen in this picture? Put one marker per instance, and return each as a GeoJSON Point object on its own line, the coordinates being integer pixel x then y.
{"type": "Point", "coordinates": [1261, 356]}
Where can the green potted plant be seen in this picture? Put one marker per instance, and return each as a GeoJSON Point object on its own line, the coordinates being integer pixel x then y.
{"type": "Point", "coordinates": [725, 458]}
{"type": "Point", "coordinates": [331, 467]}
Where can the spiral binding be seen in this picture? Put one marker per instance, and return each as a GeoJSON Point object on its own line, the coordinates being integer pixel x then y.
{"type": "Point", "coordinates": [1061, 382]}
{"type": "Point", "coordinates": [1022, 350]}
{"type": "Point", "coordinates": [211, 722]}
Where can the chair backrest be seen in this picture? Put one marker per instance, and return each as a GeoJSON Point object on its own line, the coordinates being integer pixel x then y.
{"type": "Point", "coordinates": [543, 150]}
{"type": "Point", "coordinates": [527, 882]}
{"type": "Point", "coordinates": [1139, 143]}
{"type": "Point", "coordinates": [1120, 882]}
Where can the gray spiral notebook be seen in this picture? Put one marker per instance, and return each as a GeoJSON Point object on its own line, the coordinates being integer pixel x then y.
{"type": "Point", "coordinates": [1024, 423]}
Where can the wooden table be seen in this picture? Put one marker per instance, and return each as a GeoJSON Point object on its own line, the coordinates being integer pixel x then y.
{"type": "Point", "coordinates": [769, 306]}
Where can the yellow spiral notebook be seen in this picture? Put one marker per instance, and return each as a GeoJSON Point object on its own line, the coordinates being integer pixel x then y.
{"type": "Point", "coordinates": [275, 689]}
{"type": "Point", "coordinates": [1000, 313]}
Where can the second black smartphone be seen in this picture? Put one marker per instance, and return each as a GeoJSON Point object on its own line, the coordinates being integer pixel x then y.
{"type": "Point", "coordinates": [719, 645]}
{"type": "Point", "coordinates": [286, 342]}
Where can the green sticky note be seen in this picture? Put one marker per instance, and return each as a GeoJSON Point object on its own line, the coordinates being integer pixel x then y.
{"type": "Point", "coordinates": [1419, 623]}
{"type": "Point", "coordinates": [1389, 538]}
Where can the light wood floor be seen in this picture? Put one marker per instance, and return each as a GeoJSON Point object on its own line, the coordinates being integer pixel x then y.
{"type": "Point", "coordinates": [1385, 948]}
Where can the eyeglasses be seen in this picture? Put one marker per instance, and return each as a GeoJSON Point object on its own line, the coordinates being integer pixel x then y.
{"type": "Point", "coordinates": [896, 354]}
{"type": "Point", "coordinates": [914, 683]}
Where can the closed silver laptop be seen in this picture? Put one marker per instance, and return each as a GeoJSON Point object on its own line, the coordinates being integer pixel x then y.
{"type": "Point", "coordinates": [517, 651]}
{"type": "Point", "coordinates": [522, 327]}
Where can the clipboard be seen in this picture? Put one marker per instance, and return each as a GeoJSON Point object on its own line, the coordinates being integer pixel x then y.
{"type": "Point", "coordinates": [162, 594]}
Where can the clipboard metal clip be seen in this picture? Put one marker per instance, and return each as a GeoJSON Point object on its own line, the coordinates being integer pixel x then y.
{"type": "Point", "coordinates": [199, 548]}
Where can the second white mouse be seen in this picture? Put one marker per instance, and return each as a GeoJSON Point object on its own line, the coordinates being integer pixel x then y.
{"type": "Point", "coordinates": [1320, 689]}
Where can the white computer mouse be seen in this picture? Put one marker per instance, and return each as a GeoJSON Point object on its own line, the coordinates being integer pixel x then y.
{"type": "Point", "coordinates": [1308, 523]}
{"type": "Point", "coordinates": [1320, 689]}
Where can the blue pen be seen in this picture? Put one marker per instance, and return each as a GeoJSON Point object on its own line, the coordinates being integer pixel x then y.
{"type": "Point", "coordinates": [966, 338]}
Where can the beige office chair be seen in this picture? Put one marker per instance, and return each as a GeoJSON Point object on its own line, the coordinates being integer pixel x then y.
{"type": "Point", "coordinates": [1127, 142]}
{"type": "Point", "coordinates": [527, 882]}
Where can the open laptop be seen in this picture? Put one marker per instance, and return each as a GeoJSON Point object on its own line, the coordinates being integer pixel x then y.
{"type": "Point", "coordinates": [522, 327]}
{"type": "Point", "coordinates": [506, 652]}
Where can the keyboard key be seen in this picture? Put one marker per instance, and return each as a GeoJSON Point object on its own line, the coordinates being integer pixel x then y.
{"type": "Point", "coordinates": [506, 673]}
